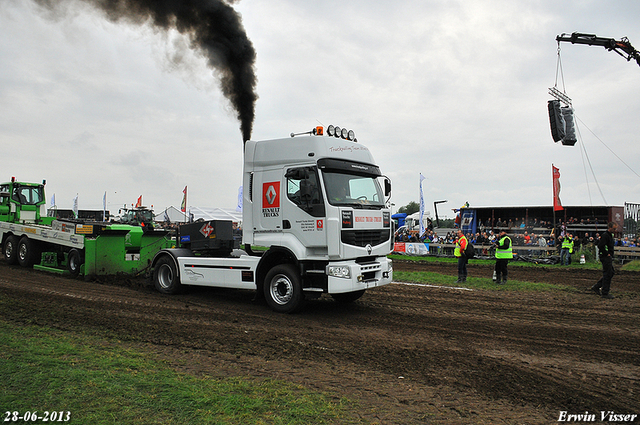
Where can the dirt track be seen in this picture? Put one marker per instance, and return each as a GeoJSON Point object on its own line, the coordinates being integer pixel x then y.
{"type": "Point", "coordinates": [409, 354]}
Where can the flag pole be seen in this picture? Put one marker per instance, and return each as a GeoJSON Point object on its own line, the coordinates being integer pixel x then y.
{"type": "Point", "coordinates": [553, 204]}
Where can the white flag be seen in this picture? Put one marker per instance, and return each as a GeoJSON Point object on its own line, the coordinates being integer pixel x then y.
{"type": "Point", "coordinates": [421, 206]}
{"type": "Point", "coordinates": [104, 206]}
{"type": "Point", "coordinates": [75, 206]}
{"type": "Point", "coordinates": [239, 206]}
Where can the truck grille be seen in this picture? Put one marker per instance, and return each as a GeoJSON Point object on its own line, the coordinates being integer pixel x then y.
{"type": "Point", "coordinates": [365, 237]}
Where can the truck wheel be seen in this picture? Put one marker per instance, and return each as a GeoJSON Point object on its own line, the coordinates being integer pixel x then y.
{"type": "Point", "coordinates": [347, 297]}
{"type": "Point", "coordinates": [27, 252]}
{"type": "Point", "coordinates": [165, 276]}
{"type": "Point", "coordinates": [283, 289]}
{"type": "Point", "coordinates": [74, 261]}
{"type": "Point", "coordinates": [10, 250]}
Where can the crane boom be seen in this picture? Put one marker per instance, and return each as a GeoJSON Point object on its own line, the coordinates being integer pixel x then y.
{"type": "Point", "coordinates": [621, 47]}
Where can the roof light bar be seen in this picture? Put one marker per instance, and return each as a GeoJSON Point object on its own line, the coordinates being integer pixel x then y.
{"type": "Point", "coordinates": [332, 131]}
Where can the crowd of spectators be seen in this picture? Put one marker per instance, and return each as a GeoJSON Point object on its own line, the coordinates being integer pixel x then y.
{"type": "Point", "coordinates": [534, 233]}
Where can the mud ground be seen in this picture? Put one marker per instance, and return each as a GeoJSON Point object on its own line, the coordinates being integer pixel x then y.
{"type": "Point", "coordinates": [407, 354]}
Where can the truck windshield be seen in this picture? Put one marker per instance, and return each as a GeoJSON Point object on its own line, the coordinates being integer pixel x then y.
{"type": "Point", "coordinates": [28, 195]}
{"type": "Point", "coordinates": [359, 191]}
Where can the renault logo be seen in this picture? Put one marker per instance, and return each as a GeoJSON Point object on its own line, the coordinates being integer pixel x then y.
{"type": "Point", "coordinates": [369, 248]}
{"type": "Point", "coordinates": [271, 195]}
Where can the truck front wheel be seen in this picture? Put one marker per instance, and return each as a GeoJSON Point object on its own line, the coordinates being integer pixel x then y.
{"type": "Point", "coordinates": [10, 250]}
{"type": "Point", "coordinates": [165, 276]}
{"type": "Point", "coordinates": [283, 289]}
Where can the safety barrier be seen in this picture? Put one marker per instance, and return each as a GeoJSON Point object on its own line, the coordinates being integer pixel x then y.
{"type": "Point", "coordinates": [622, 254]}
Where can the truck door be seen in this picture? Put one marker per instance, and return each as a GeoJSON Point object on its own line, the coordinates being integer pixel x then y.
{"type": "Point", "coordinates": [304, 212]}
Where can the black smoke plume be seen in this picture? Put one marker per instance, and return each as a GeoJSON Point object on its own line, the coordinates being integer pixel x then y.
{"type": "Point", "coordinates": [214, 29]}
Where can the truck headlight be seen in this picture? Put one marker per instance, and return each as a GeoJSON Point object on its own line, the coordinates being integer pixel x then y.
{"type": "Point", "coordinates": [339, 271]}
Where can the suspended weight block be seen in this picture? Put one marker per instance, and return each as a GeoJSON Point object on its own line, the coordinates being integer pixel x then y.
{"type": "Point", "coordinates": [563, 124]}
{"type": "Point", "coordinates": [556, 120]}
{"type": "Point", "coordinates": [570, 138]}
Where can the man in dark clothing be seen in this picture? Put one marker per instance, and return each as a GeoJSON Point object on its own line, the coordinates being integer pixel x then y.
{"type": "Point", "coordinates": [504, 253]}
{"type": "Point", "coordinates": [605, 248]}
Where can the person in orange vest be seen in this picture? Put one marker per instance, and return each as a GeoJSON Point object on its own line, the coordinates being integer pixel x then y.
{"type": "Point", "coordinates": [461, 245]}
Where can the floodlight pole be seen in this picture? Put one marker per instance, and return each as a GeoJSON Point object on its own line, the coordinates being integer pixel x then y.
{"type": "Point", "coordinates": [435, 207]}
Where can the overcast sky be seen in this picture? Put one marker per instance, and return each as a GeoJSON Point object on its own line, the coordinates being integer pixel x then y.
{"type": "Point", "coordinates": [455, 90]}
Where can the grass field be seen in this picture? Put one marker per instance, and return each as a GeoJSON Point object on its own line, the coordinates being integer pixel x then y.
{"type": "Point", "coordinates": [82, 379]}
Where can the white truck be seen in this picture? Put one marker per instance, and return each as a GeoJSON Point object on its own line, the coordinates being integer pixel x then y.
{"type": "Point", "coordinates": [315, 204]}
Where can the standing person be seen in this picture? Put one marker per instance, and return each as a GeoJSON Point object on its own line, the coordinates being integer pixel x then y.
{"type": "Point", "coordinates": [605, 250]}
{"type": "Point", "coordinates": [504, 253]}
{"type": "Point", "coordinates": [461, 245]}
{"type": "Point", "coordinates": [566, 250]}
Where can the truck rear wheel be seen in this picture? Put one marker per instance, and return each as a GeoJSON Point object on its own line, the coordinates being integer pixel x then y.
{"type": "Point", "coordinates": [27, 252]}
{"type": "Point", "coordinates": [283, 289]}
{"type": "Point", "coordinates": [165, 276]}
{"type": "Point", "coordinates": [10, 250]}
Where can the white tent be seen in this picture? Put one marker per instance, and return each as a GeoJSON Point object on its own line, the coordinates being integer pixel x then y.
{"type": "Point", "coordinates": [173, 214]}
{"type": "Point", "coordinates": [208, 213]}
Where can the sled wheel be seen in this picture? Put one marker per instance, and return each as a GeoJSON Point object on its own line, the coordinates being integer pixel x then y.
{"type": "Point", "coordinates": [27, 252]}
{"type": "Point", "coordinates": [74, 261]}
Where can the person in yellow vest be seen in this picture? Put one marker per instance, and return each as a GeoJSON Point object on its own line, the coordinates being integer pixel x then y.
{"type": "Point", "coordinates": [566, 250]}
{"type": "Point", "coordinates": [461, 245]}
{"type": "Point", "coordinates": [504, 253]}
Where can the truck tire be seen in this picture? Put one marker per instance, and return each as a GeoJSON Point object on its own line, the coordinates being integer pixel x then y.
{"type": "Point", "coordinates": [27, 252]}
{"type": "Point", "coordinates": [283, 289]}
{"type": "Point", "coordinates": [10, 250]}
{"type": "Point", "coordinates": [74, 261]}
{"type": "Point", "coordinates": [165, 276]}
{"type": "Point", "coordinates": [347, 297]}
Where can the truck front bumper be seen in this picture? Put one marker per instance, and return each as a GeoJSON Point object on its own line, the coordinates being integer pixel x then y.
{"type": "Point", "coordinates": [349, 276]}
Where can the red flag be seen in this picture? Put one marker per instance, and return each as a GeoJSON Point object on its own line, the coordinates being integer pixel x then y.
{"type": "Point", "coordinates": [183, 207]}
{"type": "Point", "coordinates": [557, 205]}
{"type": "Point", "coordinates": [139, 203]}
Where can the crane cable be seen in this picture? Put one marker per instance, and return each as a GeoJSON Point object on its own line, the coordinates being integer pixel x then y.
{"type": "Point", "coordinates": [559, 71]}
{"type": "Point", "coordinates": [583, 150]}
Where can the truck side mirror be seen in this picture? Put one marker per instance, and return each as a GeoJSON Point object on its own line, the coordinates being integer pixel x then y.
{"type": "Point", "coordinates": [387, 187]}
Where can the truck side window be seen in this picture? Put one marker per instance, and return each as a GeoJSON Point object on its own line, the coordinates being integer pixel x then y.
{"type": "Point", "coordinates": [4, 195]}
{"type": "Point", "coordinates": [303, 189]}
